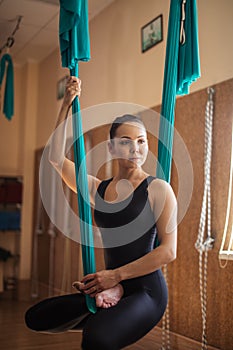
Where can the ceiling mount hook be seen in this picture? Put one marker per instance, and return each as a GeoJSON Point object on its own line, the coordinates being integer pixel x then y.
{"type": "Point", "coordinates": [11, 40]}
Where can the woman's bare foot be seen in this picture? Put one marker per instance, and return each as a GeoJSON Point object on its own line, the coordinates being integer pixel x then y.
{"type": "Point", "coordinates": [107, 298]}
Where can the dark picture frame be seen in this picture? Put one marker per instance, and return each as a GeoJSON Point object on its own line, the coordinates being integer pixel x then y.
{"type": "Point", "coordinates": [152, 33]}
{"type": "Point", "coordinates": [61, 86]}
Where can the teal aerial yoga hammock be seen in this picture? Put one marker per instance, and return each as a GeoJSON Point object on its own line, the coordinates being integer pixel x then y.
{"type": "Point", "coordinates": [182, 67]}
{"type": "Point", "coordinates": [75, 46]}
{"type": "Point", "coordinates": [8, 105]}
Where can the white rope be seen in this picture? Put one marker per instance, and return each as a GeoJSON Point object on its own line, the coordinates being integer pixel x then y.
{"type": "Point", "coordinates": [166, 320]}
{"type": "Point", "coordinates": [223, 252]}
{"type": "Point", "coordinates": [204, 245]}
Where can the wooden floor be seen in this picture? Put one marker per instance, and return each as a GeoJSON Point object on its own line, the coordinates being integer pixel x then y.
{"type": "Point", "coordinates": [15, 336]}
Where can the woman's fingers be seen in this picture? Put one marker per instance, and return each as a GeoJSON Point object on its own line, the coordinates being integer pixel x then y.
{"type": "Point", "coordinates": [92, 291]}
{"type": "Point", "coordinates": [90, 285]}
{"type": "Point", "coordinates": [101, 280]}
{"type": "Point", "coordinates": [73, 86]}
{"type": "Point", "coordinates": [74, 81]}
{"type": "Point", "coordinates": [88, 278]}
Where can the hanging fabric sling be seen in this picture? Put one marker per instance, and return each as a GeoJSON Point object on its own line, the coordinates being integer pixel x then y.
{"type": "Point", "coordinates": [182, 67]}
{"type": "Point", "coordinates": [8, 105]}
{"type": "Point", "coordinates": [75, 46]}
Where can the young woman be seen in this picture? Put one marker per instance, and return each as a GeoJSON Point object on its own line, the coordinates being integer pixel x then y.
{"type": "Point", "coordinates": [130, 209]}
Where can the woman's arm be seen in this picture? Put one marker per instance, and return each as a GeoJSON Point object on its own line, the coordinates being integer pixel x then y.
{"type": "Point", "coordinates": [163, 203]}
{"type": "Point", "coordinates": [57, 154]}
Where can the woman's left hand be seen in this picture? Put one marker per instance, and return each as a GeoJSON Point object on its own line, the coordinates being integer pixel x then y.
{"type": "Point", "coordinates": [94, 283]}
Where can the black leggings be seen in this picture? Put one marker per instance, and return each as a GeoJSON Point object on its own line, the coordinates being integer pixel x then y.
{"type": "Point", "coordinates": [113, 328]}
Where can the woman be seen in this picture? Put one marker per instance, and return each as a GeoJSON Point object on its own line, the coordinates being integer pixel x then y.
{"type": "Point", "coordinates": [130, 209]}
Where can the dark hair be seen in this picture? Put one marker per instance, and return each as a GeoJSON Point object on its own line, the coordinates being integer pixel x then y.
{"type": "Point", "coordinates": [126, 118]}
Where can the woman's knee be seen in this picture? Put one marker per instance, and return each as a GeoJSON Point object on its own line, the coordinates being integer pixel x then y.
{"type": "Point", "coordinates": [30, 321]}
{"type": "Point", "coordinates": [33, 320]}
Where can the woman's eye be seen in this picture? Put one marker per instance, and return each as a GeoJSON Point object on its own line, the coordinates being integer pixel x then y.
{"type": "Point", "coordinates": [125, 142]}
{"type": "Point", "coordinates": [141, 141]}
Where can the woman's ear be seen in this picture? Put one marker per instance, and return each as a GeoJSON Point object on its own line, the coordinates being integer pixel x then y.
{"type": "Point", "coordinates": [111, 147]}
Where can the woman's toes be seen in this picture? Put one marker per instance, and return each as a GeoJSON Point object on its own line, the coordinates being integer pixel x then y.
{"type": "Point", "coordinates": [99, 300]}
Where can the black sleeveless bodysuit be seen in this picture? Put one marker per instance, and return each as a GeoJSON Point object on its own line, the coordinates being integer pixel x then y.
{"type": "Point", "coordinates": [128, 232]}
{"type": "Point", "coordinates": [127, 228]}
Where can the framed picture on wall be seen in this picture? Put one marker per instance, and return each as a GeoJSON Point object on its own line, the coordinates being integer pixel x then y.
{"type": "Point", "coordinates": [61, 86]}
{"type": "Point", "coordinates": [152, 33]}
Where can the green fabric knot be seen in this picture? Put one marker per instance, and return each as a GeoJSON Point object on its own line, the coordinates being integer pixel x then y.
{"type": "Point", "coordinates": [182, 68]}
{"type": "Point", "coordinates": [74, 32]}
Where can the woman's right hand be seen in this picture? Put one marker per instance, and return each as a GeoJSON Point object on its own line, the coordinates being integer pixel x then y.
{"type": "Point", "coordinates": [73, 89]}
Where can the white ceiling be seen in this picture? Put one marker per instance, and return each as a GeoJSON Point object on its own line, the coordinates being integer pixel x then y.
{"type": "Point", "coordinates": [37, 36]}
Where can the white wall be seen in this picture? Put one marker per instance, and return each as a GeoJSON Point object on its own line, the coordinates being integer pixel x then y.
{"type": "Point", "coordinates": [118, 71]}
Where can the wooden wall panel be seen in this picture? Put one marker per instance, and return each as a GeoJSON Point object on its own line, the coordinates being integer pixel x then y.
{"type": "Point", "coordinates": [183, 273]}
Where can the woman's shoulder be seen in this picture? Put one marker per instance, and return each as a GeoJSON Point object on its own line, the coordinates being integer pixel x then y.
{"type": "Point", "coordinates": [158, 184]}
{"type": "Point", "coordinates": [95, 184]}
{"type": "Point", "coordinates": [160, 190]}
{"type": "Point", "coordinates": [101, 183]}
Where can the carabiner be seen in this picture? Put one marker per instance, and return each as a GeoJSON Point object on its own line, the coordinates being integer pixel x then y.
{"type": "Point", "coordinates": [182, 31]}
{"type": "Point", "coordinates": [10, 41]}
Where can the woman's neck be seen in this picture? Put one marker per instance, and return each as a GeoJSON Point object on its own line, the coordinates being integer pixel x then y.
{"type": "Point", "coordinates": [130, 174]}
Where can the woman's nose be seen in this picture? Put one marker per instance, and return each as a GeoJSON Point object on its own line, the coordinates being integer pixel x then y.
{"type": "Point", "coordinates": [133, 146]}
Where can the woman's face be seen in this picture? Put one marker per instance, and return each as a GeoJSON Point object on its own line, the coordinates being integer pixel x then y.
{"type": "Point", "coordinates": [130, 145]}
